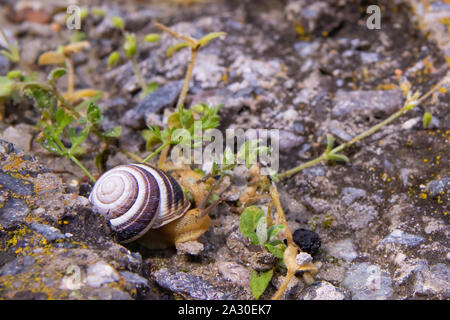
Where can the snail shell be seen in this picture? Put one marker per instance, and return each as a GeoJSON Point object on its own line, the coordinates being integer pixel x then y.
{"type": "Point", "coordinates": [137, 197]}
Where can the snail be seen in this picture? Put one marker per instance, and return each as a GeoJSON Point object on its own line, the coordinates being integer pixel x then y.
{"type": "Point", "coordinates": [145, 203]}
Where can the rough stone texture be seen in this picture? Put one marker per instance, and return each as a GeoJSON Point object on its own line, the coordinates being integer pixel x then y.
{"type": "Point", "coordinates": [368, 282]}
{"type": "Point", "coordinates": [187, 284]}
{"type": "Point", "coordinates": [323, 290]}
{"type": "Point", "coordinates": [400, 237]}
{"type": "Point", "coordinates": [56, 248]}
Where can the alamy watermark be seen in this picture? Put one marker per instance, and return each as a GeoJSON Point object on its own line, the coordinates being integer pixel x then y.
{"type": "Point", "coordinates": [374, 20]}
{"type": "Point", "coordinates": [73, 21]}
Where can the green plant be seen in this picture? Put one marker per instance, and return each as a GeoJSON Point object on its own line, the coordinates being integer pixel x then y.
{"type": "Point", "coordinates": [253, 224]}
{"type": "Point", "coordinates": [12, 52]}
{"type": "Point", "coordinates": [130, 47]}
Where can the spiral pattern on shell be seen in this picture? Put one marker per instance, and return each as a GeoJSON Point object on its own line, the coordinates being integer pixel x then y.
{"type": "Point", "coordinates": [137, 197]}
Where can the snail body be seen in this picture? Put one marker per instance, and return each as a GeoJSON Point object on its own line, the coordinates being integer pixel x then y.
{"type": "Point", "coordinates": [138, 197]}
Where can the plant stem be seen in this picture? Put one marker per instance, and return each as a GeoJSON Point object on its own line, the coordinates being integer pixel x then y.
{"type": "Point", "coordinates": [165, 144]}
{"type": "Point", "coordinates": [131, 155]}
{"type": "Point", "coordinates": [184, 90]}
{"type": "Point", "coordinates": [70, 76]}
{"type": "Point", "coordinates": [175, 34]}
{"type": "Point", "coordinates": [78, 163]}
{"type": "Point", "coordinates": [138, 74]}
{"type": "Point", "coordinates": [372, 130]}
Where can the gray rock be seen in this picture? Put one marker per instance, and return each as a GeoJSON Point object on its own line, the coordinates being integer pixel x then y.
{"type": "Point", "coordinates": [108, 294]}
{"type": "Point", "coordinates": [323, 290]}
{"type": "Point", "coordinates": [184, 283]}
{"type": "Point", "coordinates": [337, 128]}
{"type": "Point", "coordinates": [4, 65]}
{"type": "Point", "coordinates": [358, 216]}
{"type": "Point", "coordinates": [344, 249]}
{"type": "Point", "coordinates": [367, 103]}
{"type": "Point", "coordinates": [17, 266]}
{"type": "Point", "coordinates": [235, 273]}
{"type": "Point", "coordinates": [306, 49]}
{"type": "Point", "coordinates": [368, 282]}
{"type": "Point", "coordinates": [134, 278]}
{"type": "Point", "coordinates": [50, 233]}
{"type": "Point", "coordinates": [289, 141]}
{"type": "Point", "coordinates": [302, 258]}
{"type": "Point", "coordinates": [437, 187]}
{"type": "Point", "coordinates": [18, 186]}
{"type": "Point", "coordinates": [400, 237]}
{"type": "Point", "coordinates": [19, 137]}
{"type": "Point", "coordinates": [154, 102]}
{"type": "Point", "coordinates": [369, 57]}
{"type": "Point", "coordinates": [13, 212]}
{"type": "Point", "coordinates": [350, 194]}
{"type": "Point", "coordinates": [433, 280]}
{"type": "Point", "coordinates": [101, 273]}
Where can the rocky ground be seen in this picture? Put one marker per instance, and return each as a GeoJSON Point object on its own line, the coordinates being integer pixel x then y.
{"type": "Point", "coordinates": [305, 67]}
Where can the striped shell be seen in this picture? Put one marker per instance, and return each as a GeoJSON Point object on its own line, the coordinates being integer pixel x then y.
{"type": "Point", "coordinates": [137, 197]}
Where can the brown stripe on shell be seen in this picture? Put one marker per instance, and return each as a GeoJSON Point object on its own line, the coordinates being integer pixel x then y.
{"type": "Point", "coordinates": [145, 216]}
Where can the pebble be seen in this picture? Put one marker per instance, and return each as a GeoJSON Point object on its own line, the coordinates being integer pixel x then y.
{"type": "Point", "coordinates": [190, 247]}
{"type": "Point", "coordinates": [184, 283]}
{"type": "Point", "coordinates": [4, 65]}
{"type": "Point", "coordinates": [134, 278]}
{"type": "Point", "coordinates": [100, 273]}
{"type": "Point", "coordinates": [350, 194]}
{"type": "Point", "coordinates": [432, 280]}
{"type": "Point", "coordinates": [400, 237]}
{"type": "Point", "coordinates": [303, 258]}
{"type": "Point", "coordinates": [154, 102]}
{"type": "Point", "coordinates": [18, 186]}
{"type": "Point", "coordinates": [368, 282]}
{"type": "Point", "coordinates": [323, 290]}
{"type": "Point", "coordinates": [289, 140]}
{"type": "Point", "coordinates": [307, 240]}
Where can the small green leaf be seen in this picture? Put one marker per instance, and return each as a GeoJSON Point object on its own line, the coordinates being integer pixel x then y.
{"type": "Point", "coordinates": [259, 282]}
{"type": "Point", "coordinates": [210, 36]}
{"type": "Point", "coordinates": [56, 74]}
{"type": "Point", "coordinates": [177, 47]}
{"type": "Point", "coordinates": [6, 87]}
{"type": "Point", "coordinates": [130, 45]}
{"type": "Point", "coordinates": [118, 22]}
{"type": "Point", "coordinates": [248, 222]}
{"type": "Point", "coordinates": [98, 12]}
{"type": "Point", "coordinates": [77, 37]}
{"type": "Point", "coordinates": [261, 230]}
{"type": "Point", "coordinates": [330, 142]}
{"type": "Point", "coordinates": [94, 115]}
{"type": "Point", "coordinates": [113, 59]}
{"type": "Point", "coordinates": [63, 119]}
{"type": "Point", "coordinates": [113, 132]}
{"type": "Point", "coordinates": [14, 74]}
{"type": "Point", "coordinates": [152, 37]}
{"type": "Point", "coordinates": [149, 88]}
{"type": "Point", "coordinates": [276, 248]}
{"type": "Point", "coordinates": [337, 157]}
{"type": "Point", "coordinates": [426, 120]}
{"type": "Point", "coordinates": [273, 230]}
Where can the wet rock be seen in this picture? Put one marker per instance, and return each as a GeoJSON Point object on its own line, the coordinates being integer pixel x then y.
{"type": "Point", "coordinates": [307, 240]}
{"type": "Point", "coordinates": [368, 282]}
{"type": "Point", "coordinates": [183, 283]}
{"type": "Point", "coordinates": [50, 233]}
{"type": "Point", "coordinates": [344, 249]}
{"type": "Point", "coordinates": [350, 194]}
{"type": "Point", "coordinates": [438, 187]}
{"type": "Point", "coordinates": [323, 290]}
{"type": "Point", "coordinates": [156, 101]}
{"type": "Point", "coordinates": [400, 237]}
{"type": "Point", "coordinates": [366, 103]}
{"type": "Point", "coordinates": [13, 212]}
{"type": "Point", "coordinates": [101, 273]}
